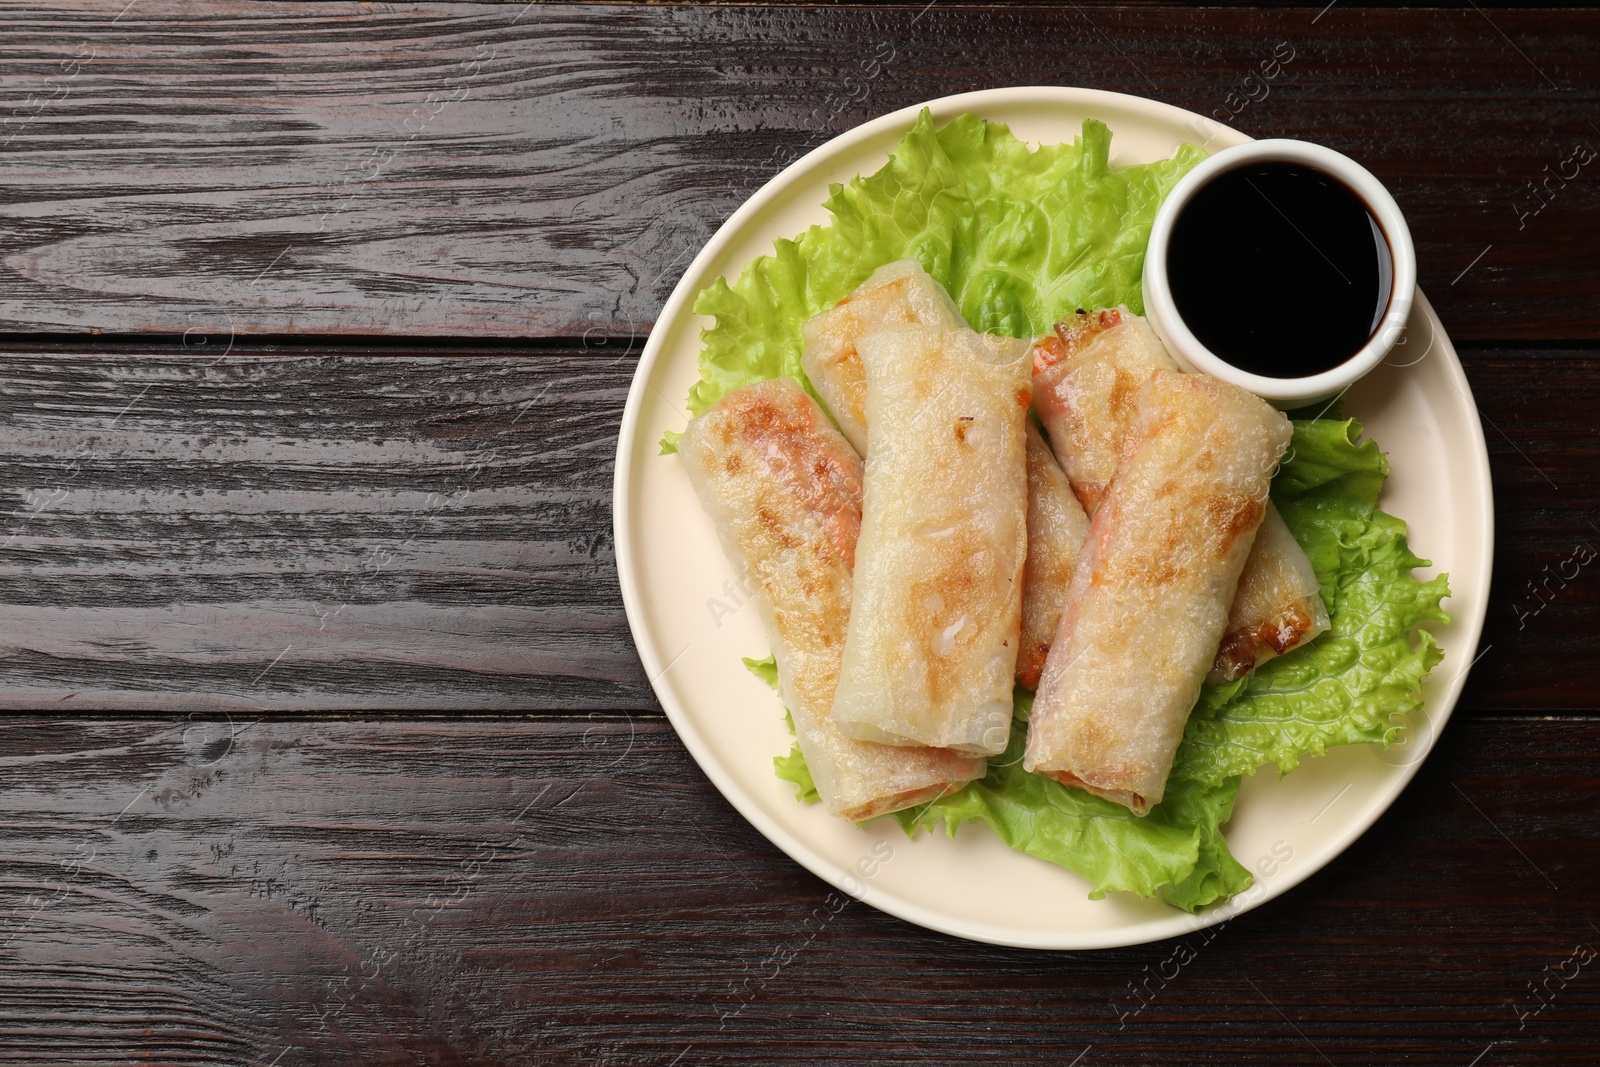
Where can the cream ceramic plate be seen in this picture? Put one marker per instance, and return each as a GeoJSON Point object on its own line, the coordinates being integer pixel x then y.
{"type": "Point", "coordinates": [692, 625]}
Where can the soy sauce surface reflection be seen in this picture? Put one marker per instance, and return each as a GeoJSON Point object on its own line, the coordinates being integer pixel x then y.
{"type": "Point", "coordinates": [1279, 269]}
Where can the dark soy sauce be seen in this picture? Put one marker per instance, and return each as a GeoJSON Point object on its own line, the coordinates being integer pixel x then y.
{"type": "Point", "coordinates": [1279, 269]}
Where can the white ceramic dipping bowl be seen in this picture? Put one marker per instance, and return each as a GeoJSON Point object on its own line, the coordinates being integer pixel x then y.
{"type": "Point", "coordinates": [1162, 310]}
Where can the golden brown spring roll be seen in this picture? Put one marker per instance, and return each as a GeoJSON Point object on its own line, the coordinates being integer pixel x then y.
{"type": "Point", "coordinates": [1150, 597]}
{"type": "Point", "coordinates": [932, 648]}
{"type": "Point", "coordinates": [784, 489]}
{"type": "Point", "coordinates": [897, 294]}
{"type": "Point", "coordinates": [902, 293]}
{"type": "Point", "coordinates": [1057, 528]}
{"type": "Point", "coordinates": [1086, 377]}
{"type": "Point", "coordinates": [1278, 605]}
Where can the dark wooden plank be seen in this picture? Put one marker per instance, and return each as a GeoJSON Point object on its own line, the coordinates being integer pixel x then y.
{"type": "Point", "coordinates": [311, 531]}
{"type": "Point", "coordinates": [1538, 648]}
{"type": "Point", "coordinates": [518, 892]}
{"type": "Point", "coordinates": [323, 530]}
{"type": "Point", "coordinates": [546, 171]}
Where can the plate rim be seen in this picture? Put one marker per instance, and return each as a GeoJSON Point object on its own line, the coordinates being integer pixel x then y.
{"type": "Point", "coordinates": [1181, 923]}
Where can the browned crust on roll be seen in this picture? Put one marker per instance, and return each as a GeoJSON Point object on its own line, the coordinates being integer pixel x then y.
{"type": "Point", "coordinates": [1071, 335]}
{"type": "Point", "coordinates": [910, 798]}
{"type": "Point", "coordinates": [1239, 650]}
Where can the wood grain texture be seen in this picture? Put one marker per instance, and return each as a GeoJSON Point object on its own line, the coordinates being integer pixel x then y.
{"type": "Point", "coordinates": [312, 531]}
{"type": "Point", "coordinates": [1538, 646]}
{"type": "Point", "coordinates": [538, 892]}
{"type": "Point", "coordinates": [338, 529]}
{"type": "Point", "coordinates": [222, 523]}
{"type": "Point", "coordinates": [547, 171]}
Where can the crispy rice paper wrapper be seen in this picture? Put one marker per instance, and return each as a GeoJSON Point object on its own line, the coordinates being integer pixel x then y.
{"type": "Point", "coordinates": [902, 293]}
{"type": "Point", "coordinates": [784, 490]}
{"type": "Point", "coordinates": [1057, 529]}
{"type": "Point", "coordinates": [897, 294]}
{"type": "Point", "coordinates": [932, 648]}
{"type": "Point", "coordinates": [1149, 601]}
{"type": "Point", "coordinates": [1086, 379]}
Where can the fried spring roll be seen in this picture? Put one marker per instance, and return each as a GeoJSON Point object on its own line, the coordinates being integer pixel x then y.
{"type": "Point", "coordinates": [1149, 600]}
{"type": "Point", "coordinates": [1057, 528]}
{"type": "Point", "coordinates": [902, 293]}
{"type": "Point", "coordinates": [1085, 380]}
{"type": "Point", "coordinates": [1086, 383]}
{"type": "Point", "coordinates": [897, 294]}
{"type": "Point", "coordinates": [784, 489]}
{"type": "Point", "coordinates": [932, 647]}
{"type": "Point", "coordinates": [1278, 605]}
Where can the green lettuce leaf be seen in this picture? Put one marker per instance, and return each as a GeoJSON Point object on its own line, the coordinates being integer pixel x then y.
{"type": "Point", "coordinates": [765, 669]}
{"type": "Point", "coordinates": [1216, 875]}
{"type": "Point", "coordinates": [1177, 850]}
{"type": "Point", "coordinates": [791, 768]}
{"type": "Point", "coordinates": [1053, 229]}
{"type": "Point", "coordinates": [1019, 238]}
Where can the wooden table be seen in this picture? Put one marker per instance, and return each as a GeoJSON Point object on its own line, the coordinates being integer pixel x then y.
{"type": "Point", "coordinates": [331, 744]}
